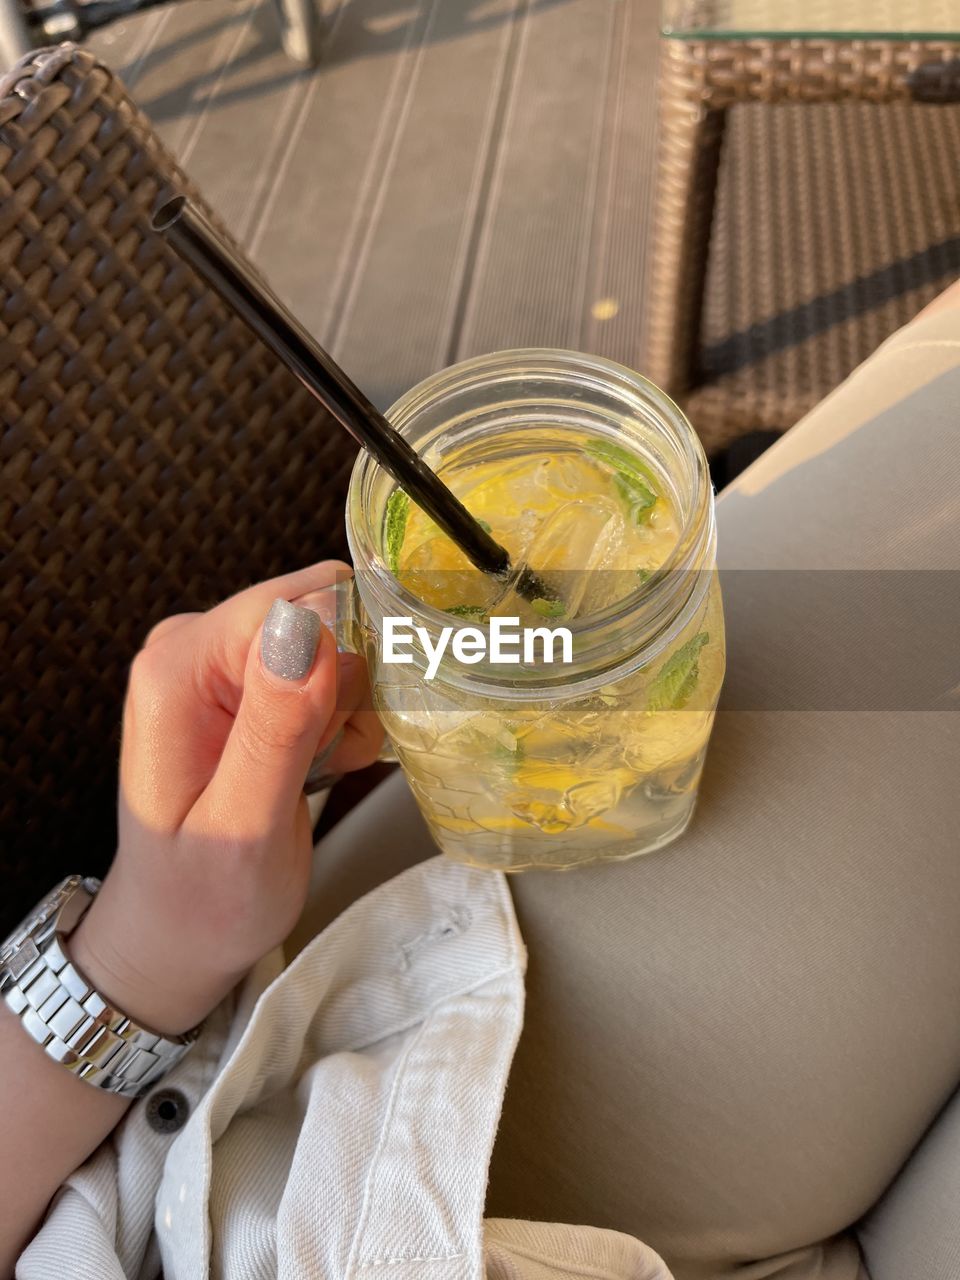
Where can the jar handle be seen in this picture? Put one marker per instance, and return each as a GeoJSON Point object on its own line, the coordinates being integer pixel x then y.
{"type": "Point", "coordinates": [341, 612]}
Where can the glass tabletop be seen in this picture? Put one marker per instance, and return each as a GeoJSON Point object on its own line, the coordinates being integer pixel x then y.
{"type": "Point", "coordinates": [820, 19]}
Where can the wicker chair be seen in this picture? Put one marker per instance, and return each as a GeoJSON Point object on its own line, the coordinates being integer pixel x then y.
{"type": "Point", "coordinates": [808, 206]}
{"type": "Point", "coordinates": [155, 455]}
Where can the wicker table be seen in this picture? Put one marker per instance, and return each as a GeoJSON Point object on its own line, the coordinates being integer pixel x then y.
{"type": "Point", "coordinates": [717, 53]}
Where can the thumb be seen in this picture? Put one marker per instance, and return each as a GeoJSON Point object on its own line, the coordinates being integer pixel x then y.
{"type": "Point", "coordinates": [289, 697]}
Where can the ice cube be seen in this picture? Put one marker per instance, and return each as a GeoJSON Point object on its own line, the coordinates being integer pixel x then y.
{"type": "Point", "coordinates": [574, 541]}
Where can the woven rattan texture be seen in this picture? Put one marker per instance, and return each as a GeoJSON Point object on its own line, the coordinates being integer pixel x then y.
{"type": "Point", "coordinates": [700, 82]}
{"type": "Point", "coordinates": [836, 18]}
{"type": "Point", "coordinates": [834, 225]}
{"type": "Point", "coordinates": [155, 455]}
{"type": "Point", "coordinates": [722, 72]}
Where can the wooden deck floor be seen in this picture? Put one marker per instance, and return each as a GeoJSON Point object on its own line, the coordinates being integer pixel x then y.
{"type": "Point", "coordinates": [455, 177]}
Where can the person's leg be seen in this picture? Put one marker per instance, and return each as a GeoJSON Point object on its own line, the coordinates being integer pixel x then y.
{"type": "Point", "coordinates": [731, 1045]}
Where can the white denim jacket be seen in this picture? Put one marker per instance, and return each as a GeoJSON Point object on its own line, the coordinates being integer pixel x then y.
{"type": "Point", "coordinates": [342, 1112]}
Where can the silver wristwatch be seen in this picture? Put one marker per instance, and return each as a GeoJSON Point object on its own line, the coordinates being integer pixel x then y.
{"type": "Point", "coordinates": [63, 1012]}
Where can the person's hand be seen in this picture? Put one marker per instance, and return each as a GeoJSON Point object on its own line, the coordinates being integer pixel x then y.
{"type": "Point", "coordinates": [224, 713]}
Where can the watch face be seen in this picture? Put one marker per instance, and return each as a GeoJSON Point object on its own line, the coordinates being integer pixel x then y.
{"type": "Point", "coordinates": [42, 912]}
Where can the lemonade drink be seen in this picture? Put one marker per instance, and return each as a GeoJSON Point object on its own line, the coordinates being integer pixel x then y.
{"type": "Point", "coordinates": [517, 768]}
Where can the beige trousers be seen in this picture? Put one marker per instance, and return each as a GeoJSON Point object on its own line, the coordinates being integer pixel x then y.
{"type": "Point", "coordinates": [733, 1045]}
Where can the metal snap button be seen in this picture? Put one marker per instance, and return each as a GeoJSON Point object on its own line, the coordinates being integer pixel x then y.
{"type": "Point", "coordinates": [167, 1110]}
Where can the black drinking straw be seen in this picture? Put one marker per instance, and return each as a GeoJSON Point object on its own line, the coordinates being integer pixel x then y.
{"type": "Point", "coordinates": [201, 245]}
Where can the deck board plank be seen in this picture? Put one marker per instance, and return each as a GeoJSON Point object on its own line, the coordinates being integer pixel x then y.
{"type": "Point", "coordinates": [456, 176]}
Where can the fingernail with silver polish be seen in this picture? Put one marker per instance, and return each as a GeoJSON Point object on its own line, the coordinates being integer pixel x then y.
{"type": "Point", "coordinates": [288, 643]}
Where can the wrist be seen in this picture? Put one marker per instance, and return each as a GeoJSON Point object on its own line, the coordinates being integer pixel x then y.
{"type": "Point", "coordinates": [149, 973]}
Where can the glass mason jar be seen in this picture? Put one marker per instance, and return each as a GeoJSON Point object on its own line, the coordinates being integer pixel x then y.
{"type": "Point", "coordinates": [535, 765]}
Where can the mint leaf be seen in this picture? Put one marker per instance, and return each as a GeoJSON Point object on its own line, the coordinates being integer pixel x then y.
{"type": "Point", "coordinates": [467, 610]}
{"type": "Point", "coordinates": [637, 497]}
{"type": "Point", "coordinates": [548, 608]}
{"type": "Point", "coordinates": [395, 526]}
{"type": "Point", "coordinates": [508, 759]}
{"type": "Point", "coordinates": [635, 481]}
{"type": "Point", "coordinates": [676, 680]}
{"type": "Point", "coordinates": [622, 460]}
{"type": "Point", "coordinates": [503, 755]}
{"type": "Point", "coordinates": [485, 525]}
{"type": "Point", "coordinates": [643, 575]}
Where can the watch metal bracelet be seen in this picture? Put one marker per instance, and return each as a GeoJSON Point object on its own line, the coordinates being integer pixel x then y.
{"type": "Point", "coordinates": [66, 1016]}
